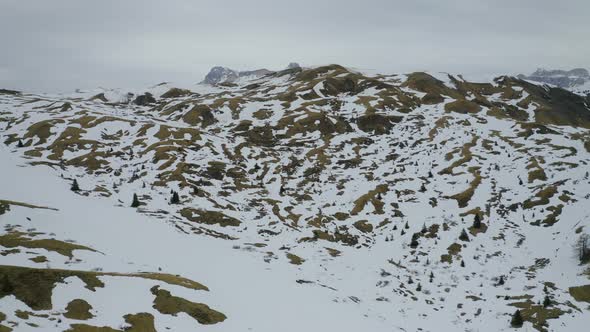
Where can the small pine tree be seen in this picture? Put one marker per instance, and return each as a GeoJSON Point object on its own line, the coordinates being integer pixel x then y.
{"type": "Point", "coordinates": [462, 263]}
{"type": "Point", "coordinates": [430, 174]}
{"type": "Point", "coordinates": [395, 227]}
{"type": "Point", "coordinates": [546, 301]}
{"type": "Point", "coordinates": [477, 221]}
{"type": "Point", "coordinates": [424, 229]}
{"type": "Point", "coordinates": [135, 202]}
{"type": "Point", "coordinates": [379, 196]}
{"type": "Point", "coordinates": [516, 320]}
{"type": "Point", "coordinates": [403, 232]}
{"type": "Point", "coordinates": [175, 199]}
{"type": "Point", "coordinates": [419, 287]}
{"type": "Point", "coordinates": [422, 188]}
{"type": "Point", "coordinates": [407, 226]}
{"type": "Point", "coordinates": [464, 236]}
{"type": "Point", "coordinates": [501, 281]}
{"type": "Point", "coordinates": [414, 242]}
{"type": "Point", "coordinates": [20, 144]}
{"type": "Point", "coordinates": [410, 280]}
{"type": "Point", "coordinates": [75, 186]}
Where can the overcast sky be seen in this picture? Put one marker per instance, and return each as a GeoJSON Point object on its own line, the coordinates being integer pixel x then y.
{"type": "Point", "coordinates": [61, 45]}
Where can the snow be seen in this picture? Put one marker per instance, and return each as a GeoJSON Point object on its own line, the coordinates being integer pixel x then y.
{"type": "Point", "coordinates": [363, 288]}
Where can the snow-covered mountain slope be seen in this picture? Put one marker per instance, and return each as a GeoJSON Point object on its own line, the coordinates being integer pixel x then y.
{"type": "Point", "coordinates": [306, 199]}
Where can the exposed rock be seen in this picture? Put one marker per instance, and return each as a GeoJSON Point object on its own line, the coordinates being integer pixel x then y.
{"type": "Point", "coordinates": [218, 75]}
{"type": "Point", "coordinates": [561, 78]}
{"type": "Point", "coordinates": [144, 99]}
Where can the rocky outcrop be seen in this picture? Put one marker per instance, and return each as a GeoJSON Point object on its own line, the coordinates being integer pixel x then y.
{"type": "Point", "coordinates": [144, 99]}
{"type": "Point", "coordinates": [561, 78]}
{"type": "Point", "coordinates": [218, 75]}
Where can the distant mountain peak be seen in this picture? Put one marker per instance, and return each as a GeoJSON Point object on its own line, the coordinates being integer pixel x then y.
{"type": "Point", "coordinates": [220, 74]}
{"type": "Point", "coordinates": [568, 79]}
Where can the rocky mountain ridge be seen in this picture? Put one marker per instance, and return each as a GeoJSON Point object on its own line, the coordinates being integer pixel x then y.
{"type": "Point", "coordinates": [577, 79]}
{"type": "Point", "coordinates": [224, 75]}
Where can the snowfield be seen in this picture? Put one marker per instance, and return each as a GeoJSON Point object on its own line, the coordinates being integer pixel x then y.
{"type": "Point", "coordinates": [309, 199]}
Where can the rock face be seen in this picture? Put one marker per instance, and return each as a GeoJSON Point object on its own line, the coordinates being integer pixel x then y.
{"type": "Point", "coordinates": [561, 78]}
{"type": "Point", "coordinates": [220, 74]}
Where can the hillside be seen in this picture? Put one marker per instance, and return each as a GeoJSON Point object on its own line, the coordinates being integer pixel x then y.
{"type": "Point", "coordinates": [309, 199]}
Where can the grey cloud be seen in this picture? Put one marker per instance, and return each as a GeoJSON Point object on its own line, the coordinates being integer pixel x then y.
{"type": "Point", "coordinates": [65, 44]}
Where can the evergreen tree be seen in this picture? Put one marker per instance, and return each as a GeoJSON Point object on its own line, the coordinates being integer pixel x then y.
{"type": "Point", "coordinates": [419, 288]}
{"type": "Point", "coordinates": [175, 199]}
{"type": "Point", "coordinates": [431, 276]}
{"type": "Point", "coordinates": [422, 188]}
{"type": "Point", "coordinates": [424, 229]}
{"type": "Point", "coordinates": [75, 186]}
{"type": "Point", "coordinates": [464, 236]}
{"type": "Point", "coordinates": [477, 221]}
{"type": "Point", "coordinates": [430, 174]}
{"type": "Point", "coordinates": [501, 281]}
{"type": "Point", "coordinates": [407, 226]}
{"type": "Point", "coordinates": [20, 144]}
{"type": "Point", "coordinates": [410, 280]}
{"type": "Point", "coordinates": [379, 196]}
{"type": "Point", "coordinates": [516, 319]}
{"type": "Point", "coordinates": [546, 301]}
{"type": "Point", "coordinates": [135, 202]}
{"type": "Point", "coordinates": [395, 227]}
{"type": "Point", "coordinates": [414, 242]}
{"type": "Point", "coordinates": [462, 263]}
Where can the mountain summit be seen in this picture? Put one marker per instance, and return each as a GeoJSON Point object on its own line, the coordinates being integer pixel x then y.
{"type": "Point", "coordinates": [220, 74]}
